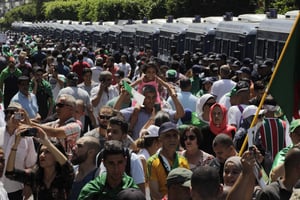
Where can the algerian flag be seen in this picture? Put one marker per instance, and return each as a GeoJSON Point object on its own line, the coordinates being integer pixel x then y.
{"type": "Point", "coordinates": [138, 97]}
{"type": "Point", "coordinates": [286, 84]}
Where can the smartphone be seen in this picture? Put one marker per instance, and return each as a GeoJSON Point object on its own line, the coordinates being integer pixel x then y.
{"type": "Point", "coordinates": [157, 107]}
{"type": "Point", "coordinates": [18, 116]}
{"type": "Point", "coordinates": [252, 150]}
{"type": "Point", "coordinates": [29, 132]}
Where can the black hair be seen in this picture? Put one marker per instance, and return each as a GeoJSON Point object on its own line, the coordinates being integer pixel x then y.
{"type": "Point", "coordinates": [161, 117]}
{"type": "Point", "coordinates": [149, 65]}
{"type": "Point", "coordinates": [205, 181]}
{"type": "Point", "coordinates": [120, 121]}
{"type": "Point", "coordinates": [148, 88]}
{"type": "Point", "coordinates": [196, 131]}
{"type": "Point", "coordinates": [86, 70]}
{"type": "Point", "coordinates": [113, 147]}
{"type": "Point", "coordinates": [222, 139]}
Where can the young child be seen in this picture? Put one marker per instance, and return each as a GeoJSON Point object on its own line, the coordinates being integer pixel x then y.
{"type": "Point", "coordinates": [149, 77]}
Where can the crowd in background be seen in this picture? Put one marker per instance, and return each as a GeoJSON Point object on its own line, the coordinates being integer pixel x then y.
{"type": "Point", "coordinates": [73, 127]}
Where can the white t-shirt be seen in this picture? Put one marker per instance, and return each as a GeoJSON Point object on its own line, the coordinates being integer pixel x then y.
{"type": "Point", "coordinates": [234, 115]}
{"type": "Point", "coordinates": [221, 87]}
{"type": "Point", "coordinates": [126, 68]}
{"type": "Point", "coordinates": [25, 157]}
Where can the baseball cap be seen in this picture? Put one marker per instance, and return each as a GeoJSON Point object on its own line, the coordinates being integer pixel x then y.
{"type": "Point", "coordinates": [187, 116]}
{"type": "Point", "coordinates": [239, 87]}
{"type": "Point", "coordinates": [207, 80]}
{"type": "Point", "coordinates": [251, 110]}
{"type": "Point", "coordinates": [131, 193]}
{"type": "Point", "coordinates": [14, 105]}
{"type": "Point", "coordinates": [294, 124]}
{"type": "Point", "coordinates": [180, 176]}
{"type": "Point", "coordinates": [171, 73]}
{"type": "Point", "coordinates": [37, 69]}
{"type": "Point", "coordinates": [167, 126]}
{"type": "Point", "coordinates": [153, 131]}
{"type": "Point", "coordinates": [245, 70]}
{"type": "Point", "coordinates": [72, 76]}
{"type": "Point", "coordinates": [23, 78]}
{"type": "Point", "coordinates": [197, 69]}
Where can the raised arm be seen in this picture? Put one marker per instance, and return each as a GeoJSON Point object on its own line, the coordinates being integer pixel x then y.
{"type": "Point", "coordinates": [244, 186]}
{"type": "Point", "coordinates": [172, 93]}
{"type": "Point", "coordinates": [43, 139]}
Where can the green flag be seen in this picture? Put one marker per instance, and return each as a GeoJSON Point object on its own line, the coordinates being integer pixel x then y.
{"type": "Point", "coordinates": [139, 98]}
{"type": "Point", "coordinates": [285, 87]}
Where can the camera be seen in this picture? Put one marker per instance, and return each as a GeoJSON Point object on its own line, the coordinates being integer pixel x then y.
{"type": "Point", "coordinates": [29, 132]}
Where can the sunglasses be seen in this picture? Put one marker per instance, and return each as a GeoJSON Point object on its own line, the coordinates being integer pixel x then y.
{"type": "Point", "coordinates": [10, 112]}
{"type": "Point", "coordinates": [210, 104]}
{"type": "Point", "coordinates": [190, 137]}
{"type": "Point", "coordinates": [60, 105]}
{"type": "Point", "coordinates": [107, 117]}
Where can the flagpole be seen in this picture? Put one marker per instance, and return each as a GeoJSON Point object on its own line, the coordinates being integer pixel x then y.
{"type": "Point", "coordinates": [270, 83]}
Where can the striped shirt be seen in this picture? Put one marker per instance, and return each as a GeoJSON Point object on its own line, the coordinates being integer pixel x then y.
{"type": "Point", "coordinates": [272, 134]}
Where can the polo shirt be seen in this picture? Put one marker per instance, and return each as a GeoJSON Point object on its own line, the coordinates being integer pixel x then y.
{"type": "Point", "coordinates": [157, 171]}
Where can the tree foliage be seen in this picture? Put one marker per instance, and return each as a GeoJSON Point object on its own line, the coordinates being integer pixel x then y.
{"type": "Point", "coordinates": [109, 10]}
{"type": "Point", "coordinates": [283, 6]}
{"type": "Point", "coordinates": [62, 10]}
{"type": "Point", "coordinates": [21, 13]}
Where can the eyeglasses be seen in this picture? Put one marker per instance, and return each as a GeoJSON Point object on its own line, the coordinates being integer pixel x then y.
{"type": "Point", "coordinates": [190, 137]}
{"type": "Point", "coordinates": [107, 117]}
{"type": "Point", "coordinates": [60, 105]}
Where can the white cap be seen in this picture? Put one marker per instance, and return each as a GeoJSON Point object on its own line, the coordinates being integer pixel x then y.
{"type": "Point", "coordinates": [251, 110]}
{"type": "Point", "coordinates": [153, 131]}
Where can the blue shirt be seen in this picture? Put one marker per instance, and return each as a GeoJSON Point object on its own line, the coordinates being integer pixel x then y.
{"type": "Point", "coordinates": [187, 99]}
{"type": "Point", "coordinates": [143, 117]}
{"type": "Point", "coordinates": [28, 103]}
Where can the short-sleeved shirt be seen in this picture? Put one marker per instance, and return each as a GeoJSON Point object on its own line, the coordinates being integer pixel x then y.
{"type": "Point", "coordinates": [157, 171]}
{"type": "Point", "coordinates": [106, 96]}
{"type": "Point", "coordinates": [43, 95]}
{"type": "Point", "coordinates": [26, 156]}
{"type": "Point", "coordinates": [143, 117]}
{"type": "Point", "coordinates": [72, 130]}
{"type": "Point", "coordinates": [99, 189]}
{"type": "Point", "coordinates": [78, 68]}
{"type": "Point", "coordinates": [77, 93]}
{"type": "Point", "coordinates": [10, 83]}
{"type": "Point", "coordinates": [28, 103]}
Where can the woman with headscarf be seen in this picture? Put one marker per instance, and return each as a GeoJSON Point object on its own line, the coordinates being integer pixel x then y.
{"type": "Point", "coordinates": [202, 108]}
{"type": "Point", "coordinates": [232, 170]}
{"type": "Point", "coordinates": [217, 124]}
{"type": "Point", "coordinates": [218, 121]}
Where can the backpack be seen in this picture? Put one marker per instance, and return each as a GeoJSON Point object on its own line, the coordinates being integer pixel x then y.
{"type": "Point", "coordinates": [128, 152]}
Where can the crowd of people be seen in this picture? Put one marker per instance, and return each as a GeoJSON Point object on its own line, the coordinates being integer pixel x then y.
{"type": "Point", "coordinates": [73, 127]}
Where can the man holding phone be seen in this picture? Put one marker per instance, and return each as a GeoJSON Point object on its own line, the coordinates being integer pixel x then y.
{"type": "Point", "coordinates": [103, 93]}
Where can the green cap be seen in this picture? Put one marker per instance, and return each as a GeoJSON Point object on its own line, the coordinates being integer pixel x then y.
{"type": "Point", "coordinates": [294, 124]}
{"type": "Point", "coordinates": [180, 176]}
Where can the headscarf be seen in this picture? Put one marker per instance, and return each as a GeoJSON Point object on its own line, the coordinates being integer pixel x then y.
{"type": "Point", "coordinates": [224, 127]}
{"type": "Point", "coordinates": [201, 102]}
{"type": "Point", "coordinates": [236, 160]}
